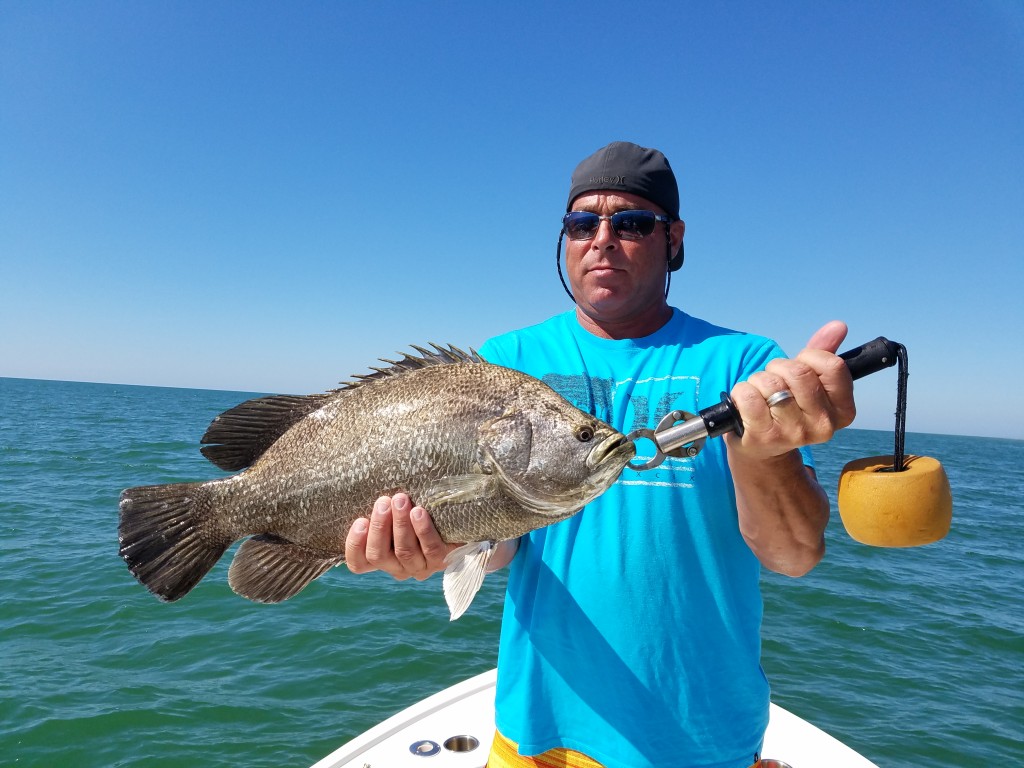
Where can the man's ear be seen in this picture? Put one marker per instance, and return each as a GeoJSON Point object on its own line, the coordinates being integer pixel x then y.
{"type": "Point", "coordinates": [676, 231]}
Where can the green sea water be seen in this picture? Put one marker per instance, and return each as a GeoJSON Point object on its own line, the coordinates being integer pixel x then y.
{"type": "Point", "coordinates": [913, 657]}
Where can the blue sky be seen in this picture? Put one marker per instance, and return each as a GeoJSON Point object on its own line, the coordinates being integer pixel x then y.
{"type": "Point", "coordinates": [269, 196]}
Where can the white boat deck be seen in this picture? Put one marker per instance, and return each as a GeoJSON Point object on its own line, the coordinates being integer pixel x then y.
{"type": "Point", "coordinates": [454, 728]}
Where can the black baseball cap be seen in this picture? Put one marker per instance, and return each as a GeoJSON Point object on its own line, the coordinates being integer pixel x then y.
{"type": "Point", "coordinates": [625, 167]}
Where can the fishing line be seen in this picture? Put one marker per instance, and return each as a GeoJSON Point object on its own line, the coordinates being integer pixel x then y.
{"type": "Point", "coordinates": [902, 372]}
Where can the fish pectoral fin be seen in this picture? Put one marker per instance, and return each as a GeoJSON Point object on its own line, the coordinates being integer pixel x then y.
{"type": "Point", "coordinates": [269, 569]}
{"type": "Point", "coordinates": [466, 569]}
{"type": "Point", "coordinates": [457, 488]}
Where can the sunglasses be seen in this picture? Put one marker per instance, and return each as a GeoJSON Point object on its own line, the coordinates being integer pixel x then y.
{"type": "Point", "coordinates": [628, 225]}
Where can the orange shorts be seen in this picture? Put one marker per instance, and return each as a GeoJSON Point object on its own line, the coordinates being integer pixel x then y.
{"type": "Point", "coordinates": [505, 754]}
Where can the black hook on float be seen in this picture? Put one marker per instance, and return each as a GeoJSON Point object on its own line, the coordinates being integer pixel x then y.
{"type": "Point", "coordinates": [898, 500]}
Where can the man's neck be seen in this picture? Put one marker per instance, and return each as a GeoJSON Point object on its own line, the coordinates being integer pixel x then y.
{"type": "Point", "coordinates": [635, 327]}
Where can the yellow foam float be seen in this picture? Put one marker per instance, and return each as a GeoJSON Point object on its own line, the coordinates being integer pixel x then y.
{"type": "Point", "coordinates": [884, 508]}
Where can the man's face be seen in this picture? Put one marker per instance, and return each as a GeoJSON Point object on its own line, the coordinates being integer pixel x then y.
{"type": "Point", "coordinates": [616, 280]}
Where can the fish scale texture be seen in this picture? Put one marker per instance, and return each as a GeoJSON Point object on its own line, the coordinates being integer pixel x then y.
{"type": "Point", "coordinates": [398, 434]}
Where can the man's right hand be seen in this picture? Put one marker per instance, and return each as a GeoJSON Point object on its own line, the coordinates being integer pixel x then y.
{"type": "Point", "coordinates": [398, 538]}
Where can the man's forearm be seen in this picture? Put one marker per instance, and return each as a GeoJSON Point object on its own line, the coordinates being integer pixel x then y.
{"type": "Point", "coordinates": [783, 511]}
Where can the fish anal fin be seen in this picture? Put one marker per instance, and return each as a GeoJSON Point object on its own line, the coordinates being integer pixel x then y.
{"type": "Point", "coordinates": [467, 567]}
{"type": "Point", "coordinates": [269, 569]}
{"type": "Point", "coordinates": [239, 436]}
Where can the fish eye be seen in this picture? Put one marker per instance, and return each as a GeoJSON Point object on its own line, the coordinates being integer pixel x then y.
{"type": "Point", "coordinates": [585, 434]}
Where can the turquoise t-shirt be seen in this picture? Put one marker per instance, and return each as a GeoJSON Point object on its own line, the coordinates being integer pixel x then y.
{"type": "Point", "coordinates": [631, 631]}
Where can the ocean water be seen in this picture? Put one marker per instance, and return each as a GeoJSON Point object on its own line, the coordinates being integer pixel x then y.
{"type": "Point", "coordinates": [911, 656]}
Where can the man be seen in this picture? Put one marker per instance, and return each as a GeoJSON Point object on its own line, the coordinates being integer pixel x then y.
{"type": "Point", "coordinates": [630, 634]}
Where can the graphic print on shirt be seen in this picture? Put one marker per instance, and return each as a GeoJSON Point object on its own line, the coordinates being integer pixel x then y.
{"type": "Point", "coordinates": [631, 404]}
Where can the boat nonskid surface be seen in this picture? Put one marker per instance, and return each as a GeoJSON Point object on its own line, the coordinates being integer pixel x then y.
{"type": "Point", "coordinates": [454, 728]}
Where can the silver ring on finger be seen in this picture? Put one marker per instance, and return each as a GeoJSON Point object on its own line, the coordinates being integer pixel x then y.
{"type": "Point", "coordinates": [779, 397]}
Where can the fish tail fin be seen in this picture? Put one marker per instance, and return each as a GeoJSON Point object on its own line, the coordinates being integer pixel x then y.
{"type": "Point", "coordinates": [163, 539]}
{"type": "Point", "coordinates": [269, 569]}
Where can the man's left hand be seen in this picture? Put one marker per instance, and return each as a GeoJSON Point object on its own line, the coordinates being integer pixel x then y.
{"type": "Point", "coordinates": [822, 401]}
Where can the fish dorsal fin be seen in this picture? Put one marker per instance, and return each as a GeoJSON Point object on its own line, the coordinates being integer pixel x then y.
{"type": "Point", "coordinates": [427, 358]}
{"type": "Point", "coordinates": [464, 575]}
{"type": "Point", "coordinates": [236, 438]}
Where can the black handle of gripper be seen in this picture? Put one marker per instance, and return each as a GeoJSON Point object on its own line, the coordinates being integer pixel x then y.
{"type": "Point", "coordinates": [862, 361]}
{"type": "Point", "coordinates": [722, 418]}
{"type": "Point", "coordinates": [871, 357]}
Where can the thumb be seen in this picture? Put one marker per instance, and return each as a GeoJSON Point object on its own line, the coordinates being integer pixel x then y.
{"type": "Point", "coordinates": [828, 337]}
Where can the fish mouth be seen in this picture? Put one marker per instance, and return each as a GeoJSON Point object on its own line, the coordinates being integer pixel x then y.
{"type": "Point", "coordinates": [616, 448]}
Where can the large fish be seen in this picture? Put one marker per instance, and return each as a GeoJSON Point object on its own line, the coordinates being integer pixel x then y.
{"type": "Point", "coordinates": [490, 452]}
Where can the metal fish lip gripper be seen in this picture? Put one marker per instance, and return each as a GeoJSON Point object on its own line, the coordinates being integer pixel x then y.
{"type": "Point", "coordinates": [682, 434]}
